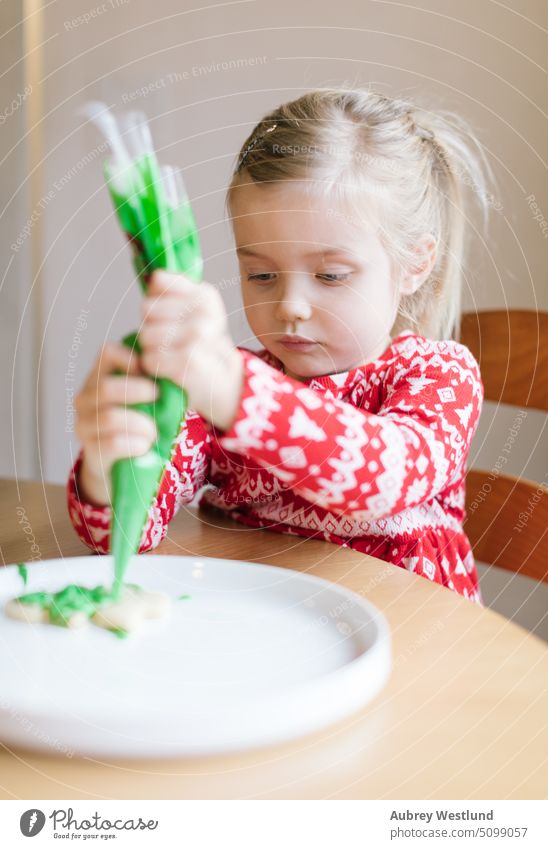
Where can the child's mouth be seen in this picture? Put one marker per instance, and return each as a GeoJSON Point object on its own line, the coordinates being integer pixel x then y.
{"type": "Point", "coordinates": [300, 345]}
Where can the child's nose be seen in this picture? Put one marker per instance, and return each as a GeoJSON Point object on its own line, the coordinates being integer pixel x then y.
{"type": "Point", "coordinates": [294, 310]}
{"type": "Point", "coordinates": [293, 305]}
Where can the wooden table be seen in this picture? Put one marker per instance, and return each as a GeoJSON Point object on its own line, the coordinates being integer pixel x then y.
{"type": "Point", "coordinates": [462, 717]}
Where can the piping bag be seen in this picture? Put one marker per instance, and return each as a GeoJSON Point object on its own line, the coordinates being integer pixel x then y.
{"type": "Point", "coordinates": [154, 212]}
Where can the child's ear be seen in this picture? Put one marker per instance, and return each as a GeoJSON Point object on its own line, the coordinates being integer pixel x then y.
{"type": "Point", "coordinates": [425, 251]}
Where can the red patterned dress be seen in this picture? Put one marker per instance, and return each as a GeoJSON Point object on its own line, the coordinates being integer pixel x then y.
{"type": "Point", "coordinates": [371, 459]}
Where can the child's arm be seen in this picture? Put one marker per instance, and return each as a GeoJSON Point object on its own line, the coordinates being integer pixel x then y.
{"type": "Point", "coordinates": [353, 462]}
{"type": "Point", "coordinates": [184, 475]}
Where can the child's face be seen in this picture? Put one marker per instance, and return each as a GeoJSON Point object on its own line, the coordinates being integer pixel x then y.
{"type": "Point", "coordinates": [296, 241]}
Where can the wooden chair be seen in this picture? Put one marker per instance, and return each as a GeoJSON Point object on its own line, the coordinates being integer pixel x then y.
{"type": "Point", "coordinates": [507, 517]}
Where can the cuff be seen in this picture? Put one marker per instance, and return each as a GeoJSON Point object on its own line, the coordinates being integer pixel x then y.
{"type": "Point", "coordinates": [91, 522]}
{"type": "Point", "coordinates": [265, 393]}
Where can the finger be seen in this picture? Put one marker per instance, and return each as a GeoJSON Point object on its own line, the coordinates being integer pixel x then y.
{"type": "Point", "coordinates": [165, 335]}
{"type": "Point", "coordinates": [116, 420]}
{"type": "Point", "coordinates": [162, 281]}
{"type": "Point", "coordinates": [118, 389]}
{"type": "Point", "coordinates": [197, 301]}
{"type": "Point", "coordinates": [166, 306]}
{"type": "Point", "coordinates": [116, 446]}
{"type": "Point", "coordinates": [114, 355]}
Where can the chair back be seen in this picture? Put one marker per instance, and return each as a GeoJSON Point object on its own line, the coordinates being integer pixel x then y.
{"type": "Point", "coordinates": [507, 517]}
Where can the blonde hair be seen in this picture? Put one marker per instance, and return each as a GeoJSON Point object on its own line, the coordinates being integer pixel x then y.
{"type": "Point", "coordinates": [405, 164]}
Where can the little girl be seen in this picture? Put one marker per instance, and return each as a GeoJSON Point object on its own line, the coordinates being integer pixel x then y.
{"type": "Point", "coordinates": [353, 421]}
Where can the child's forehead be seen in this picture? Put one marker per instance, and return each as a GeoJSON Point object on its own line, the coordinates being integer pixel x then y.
{"type": "Point", "coordinates": [296, 207]}
{"type": "Point", "coordinates": [298, 194]}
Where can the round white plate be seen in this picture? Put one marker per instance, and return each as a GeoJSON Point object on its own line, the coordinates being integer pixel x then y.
{"type": "Point", "coordinates": [256, 656]}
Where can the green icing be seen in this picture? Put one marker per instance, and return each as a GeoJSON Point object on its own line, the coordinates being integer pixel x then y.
{"type": "Point", "coordinates": [161, 236]}
{"type": "Point", "coordinates": [118, 632]}
{"type": "Point", "coordinates": [42, 598]}
{"type": "Point", "coordinates": [183, 597]}
{"type": "Point", "coordinates": [73, 599]}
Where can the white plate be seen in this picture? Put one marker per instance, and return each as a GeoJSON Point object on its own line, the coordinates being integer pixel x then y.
{"type": "Point", "coordinates": [256, 656]}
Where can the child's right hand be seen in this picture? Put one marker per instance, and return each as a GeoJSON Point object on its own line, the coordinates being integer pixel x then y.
{"type": "Point", "coordinates": [106, 429]}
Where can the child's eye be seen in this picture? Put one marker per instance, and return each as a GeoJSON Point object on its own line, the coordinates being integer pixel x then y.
{"type": "Point", "coordinates": [331, 278]}
{"type": "Point", "coordinates": [334, 277]}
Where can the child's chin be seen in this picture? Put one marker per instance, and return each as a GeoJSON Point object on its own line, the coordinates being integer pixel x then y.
{"type": "Point", "coordinates": [307, 371]}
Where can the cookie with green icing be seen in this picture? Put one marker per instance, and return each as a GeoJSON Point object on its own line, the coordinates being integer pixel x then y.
{"type": "Point", "coordinates": [74, 606]}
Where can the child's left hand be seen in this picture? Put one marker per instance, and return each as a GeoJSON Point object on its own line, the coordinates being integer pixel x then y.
{"type": "Point", "coordinates": [185, 337]}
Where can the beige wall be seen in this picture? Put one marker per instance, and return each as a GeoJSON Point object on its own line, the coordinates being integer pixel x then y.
{"type": "Point", "coordinates": [18, 389]}
{"type": "Point", "coordinates": [482, 59]}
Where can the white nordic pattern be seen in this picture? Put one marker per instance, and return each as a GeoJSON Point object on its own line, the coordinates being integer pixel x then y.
{"type": "Point", "coordinates": [372, 458]}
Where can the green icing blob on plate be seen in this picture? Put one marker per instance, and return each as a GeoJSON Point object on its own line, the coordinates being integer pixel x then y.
{"type": "Point", "coordinates": [62, 605]}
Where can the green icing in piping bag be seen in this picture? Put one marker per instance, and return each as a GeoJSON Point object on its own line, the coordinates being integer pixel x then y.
{"type": "Point", "coordinates": [154, 212]}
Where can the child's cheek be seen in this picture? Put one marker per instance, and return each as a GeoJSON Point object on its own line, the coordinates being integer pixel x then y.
{"type": "Point", "coordinates": [261, 319]}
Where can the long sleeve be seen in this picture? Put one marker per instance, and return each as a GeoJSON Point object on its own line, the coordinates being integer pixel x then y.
{"type": "Point", "coordinates": [350, 461]}
{"type": "Point", "coordinates": [183, 476]}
